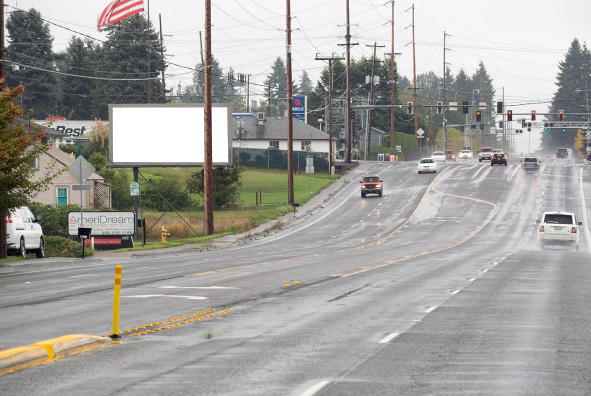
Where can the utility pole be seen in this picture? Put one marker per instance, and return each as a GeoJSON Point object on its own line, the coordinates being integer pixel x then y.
{"type": "Point", "coordinates": [3, 226]}
{"type": "Point", "coordinates": [149, 56]}
{"type": "Point", "coordinates": [443, 130]}
{"type": "Point", "coordinates": [393, 82]}
{"type": "Point", "coordinates": [2, 67]}
{"type": "Point", "coordinates": [348, 119]}
{"type": "Point", "coordinates": [289, 110]}
{"type": "Point", "coordinates": [248, 93]}
{"type": "Point", "coordinates": [269, 100]}
{"type": "Point", "coordinates": [414, 71]}
{"type": "Point", "coordinates": [162, 53]}
{"type": "Point", "coordinates": [371, 82]}
{"type": "Point", "coordinates": [330, 118]}
{"type": "Point", "coordinates": [208, 228]}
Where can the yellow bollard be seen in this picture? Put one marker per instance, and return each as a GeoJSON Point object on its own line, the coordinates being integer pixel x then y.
{"type": "Point", "coordinates": [116, 302]}
{"type": "Point", "coordinates": [164, 233]}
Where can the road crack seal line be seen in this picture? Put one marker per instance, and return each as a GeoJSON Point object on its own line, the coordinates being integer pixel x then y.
{"type": "Point", "coordinates": [173, 322]}
{"type": "Point", "coordinates": [490, 216]}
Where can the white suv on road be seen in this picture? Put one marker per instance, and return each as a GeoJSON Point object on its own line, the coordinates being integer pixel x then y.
{"type": "Point", "coordinates": [23, 233]}
{"type": "Point", "coordinates": [465, 154]}
{"type": "Point", "coordinates": [559, 228]}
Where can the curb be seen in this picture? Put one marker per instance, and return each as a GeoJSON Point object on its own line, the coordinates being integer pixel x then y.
{"type": "Point", "coordinates": [42, 352]}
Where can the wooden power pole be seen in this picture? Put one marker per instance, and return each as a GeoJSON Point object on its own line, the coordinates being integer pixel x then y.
{"type": "Point", "coordinates": [208, 228]}
{"type": "Point", "coordinates": [290, 198]}
{"type": "Point", "coordinates": [371, 82]}
{"type": "Point", "coordinates": [330, 84]}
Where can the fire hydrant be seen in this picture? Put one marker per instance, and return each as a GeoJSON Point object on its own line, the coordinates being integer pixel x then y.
{"type": "Point", "coordinates": [164, 234]}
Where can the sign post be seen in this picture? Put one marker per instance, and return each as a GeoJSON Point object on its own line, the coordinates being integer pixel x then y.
{"type": "Point", "coordinates": [420, 134]}
{"type": "Point", "coordinates": [81, 170]}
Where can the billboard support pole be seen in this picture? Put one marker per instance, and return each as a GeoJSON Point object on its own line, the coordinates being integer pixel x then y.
{"type": "Point", "coordinates": [208, 225]}
{"type": "Point", "coordinates": [136, 172]}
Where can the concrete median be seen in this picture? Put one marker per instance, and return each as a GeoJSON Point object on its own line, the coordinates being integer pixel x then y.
{"type": "Point", "coordinates": [49, 350]}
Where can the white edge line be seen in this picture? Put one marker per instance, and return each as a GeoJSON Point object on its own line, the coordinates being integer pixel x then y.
{"type": "Point", "coordinates": [431, 309]}
{"type": "Point", "coordinates": [313, 390]}
{"type": "Point", "coordinates": [455, 292]}
{"type": "Point", "coordinates": [478, 171]}
{"type": "Point", "coordinates": [513, 173]}
{"type": "Point", "coordinates": [389, 338]}
{"type": "Point", "coordinates": [585, 224]}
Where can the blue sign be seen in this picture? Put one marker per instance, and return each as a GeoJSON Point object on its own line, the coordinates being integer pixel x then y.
{"type": "Point", "coordinates": [298, 107]}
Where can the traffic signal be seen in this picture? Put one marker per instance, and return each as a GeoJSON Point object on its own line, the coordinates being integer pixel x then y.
{"type": "Point", "coordinates": [500, 124]}
{"type": "Point", "coordinates": [409, 109]}
{"type": "Point", "coordinates": [529, 129]}
{"type": "Point", "coordinates": [523, 122]}
{"type": "Point", "coordinates": [533, 115]}
{"type": "Point", "coordinates": [499, 107]}
{"type": "Point", "coordinates": [561, 115]}
{"type": "Point", "coordinates": [546, 126]}
{"type": "Point", "coordinates": [473, 126]}
{"type": "Point", "coordinates": [352, 115]}
{"type": "Point", "coordinates": [439, 107]}
{"type": "Point", "coordinates": [465, 107]}
{"type": "Point", "coordinates": [563, 129]}
{"type": "Point", "coordinates": [529, 124]}
{"type": "Point", "coordinates": [509, 114]}
{"type": "Point", "coordinates": [478, 115]}
{"type": "Point", "coordinates": [482, 127]}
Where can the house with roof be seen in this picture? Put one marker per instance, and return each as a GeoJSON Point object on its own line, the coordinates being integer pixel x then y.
{"type": "Point", "coordinates": [260, 132]}
{"type": "Point", "coordinates": [377, 138]}
{"type": "Point", "coordinates": [61, 191]}
{"type": "Point", "coordinates": [74, 132]}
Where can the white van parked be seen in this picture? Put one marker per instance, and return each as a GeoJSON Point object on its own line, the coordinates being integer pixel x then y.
{"type": "Point", "coordinates": [24, 233]}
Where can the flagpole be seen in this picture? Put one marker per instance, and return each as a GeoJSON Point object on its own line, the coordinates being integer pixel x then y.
{"type": "Point", "coordinates": [149, 51]}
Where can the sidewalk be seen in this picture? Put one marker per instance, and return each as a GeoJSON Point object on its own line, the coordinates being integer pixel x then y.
{"type": "Point", "coordinates": [302, 212]}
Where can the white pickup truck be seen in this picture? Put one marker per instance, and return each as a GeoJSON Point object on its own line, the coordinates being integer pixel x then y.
{"type": "Point", "coordinates": [485, 153]}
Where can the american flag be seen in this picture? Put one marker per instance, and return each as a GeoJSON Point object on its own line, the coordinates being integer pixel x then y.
{"type": "Point", "coordinates": [118, 10]}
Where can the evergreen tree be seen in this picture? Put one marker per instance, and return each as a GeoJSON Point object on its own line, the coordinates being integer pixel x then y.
{"type": "Point", "coordinates": [30, 44]}
{"type": "Point", "coordinates": [305, 83]}
{"type": "Point", "coordinates": [219, 82]}
{"type": "Point", "coordinates": [572, 82]}
{"type": "Point", "coordinates": [124, 55]}
{"type": "Point", "coordinates": [277, 81]}
{"type": "Point", "coordinates": [487, 90]}
{"type": "Point", "coordinates": [462, 87]}
{"type": "Point", "coordinates": [449, 81]}
{"type": "Point", "coordinates": [78, 59]}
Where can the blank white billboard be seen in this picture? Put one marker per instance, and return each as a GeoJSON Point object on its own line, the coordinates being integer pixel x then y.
{"type": "Point", "coordinates": [167, 135]}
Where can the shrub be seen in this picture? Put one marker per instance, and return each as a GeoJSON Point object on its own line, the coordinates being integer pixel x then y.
{"type": "Point", "coordinates": [171, 188]}
{"type": "Point", "coordinates": [54, 219]}
{"type": "Point", "coordinates": [56, 246]}
{"type": "Point", "coordinates": [69, 148]}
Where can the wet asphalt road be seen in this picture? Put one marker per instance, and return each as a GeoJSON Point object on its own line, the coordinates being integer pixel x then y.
{"type": "Point", "coordinates": [437, 287]}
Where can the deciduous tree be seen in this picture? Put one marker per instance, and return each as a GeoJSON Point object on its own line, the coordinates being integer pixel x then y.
{"type": "Point", "coordinates": [19, 147]}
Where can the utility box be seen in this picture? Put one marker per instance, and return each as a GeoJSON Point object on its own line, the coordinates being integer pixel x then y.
{"type": "Point", "coordinates": [309, 164]}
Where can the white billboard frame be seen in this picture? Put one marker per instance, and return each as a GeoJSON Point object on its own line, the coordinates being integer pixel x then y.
{"type": "Point", "coordinates": [163, 135]}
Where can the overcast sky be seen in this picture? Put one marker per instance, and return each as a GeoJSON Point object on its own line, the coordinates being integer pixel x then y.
{"type": "Point", "coordinates": [520, 42]}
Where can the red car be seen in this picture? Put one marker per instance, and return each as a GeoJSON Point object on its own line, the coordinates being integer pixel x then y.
{"type": "Point", "coordinates": [562, 153]}
{"type": "Point", "coordinates": [450, 155]}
